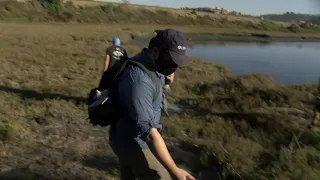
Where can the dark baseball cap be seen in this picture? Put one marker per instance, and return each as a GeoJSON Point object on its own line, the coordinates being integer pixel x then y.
{"type": "Point", "coordinates": [173, 41]}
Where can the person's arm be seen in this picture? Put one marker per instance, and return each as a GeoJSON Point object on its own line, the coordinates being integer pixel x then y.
{"type": "Point", "coordinates": [107, 58]}
{"type": "Point", "coordinates": [106, 62]}
{"type": "Point", "coordinates": [159, 148]}
{"type": "Point", "coordinates": [137, 95]}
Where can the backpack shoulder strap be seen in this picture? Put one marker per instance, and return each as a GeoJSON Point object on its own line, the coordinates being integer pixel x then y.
{"type": "Point", "coordinates": [123, 66]}
{"type": "Point", "coordinates": [111, 75]}
{"type": "Point", "coordinates": [152, 75]}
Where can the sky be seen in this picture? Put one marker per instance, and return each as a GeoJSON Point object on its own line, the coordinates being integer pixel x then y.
{"type": "Point", "coordinates": [253, 7]}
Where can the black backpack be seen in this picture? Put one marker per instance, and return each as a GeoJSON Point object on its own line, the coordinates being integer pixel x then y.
{"type": "Point", "coordinates": [104, 111]}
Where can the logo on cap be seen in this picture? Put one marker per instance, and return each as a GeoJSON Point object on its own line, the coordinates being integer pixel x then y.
{"type": "Point", "coordinates": [182, 48]}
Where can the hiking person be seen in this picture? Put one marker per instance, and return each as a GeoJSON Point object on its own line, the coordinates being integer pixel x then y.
{"type": "Point", "coordinates": [135, 137]}
{"type": "Point", "coordinates": [316, 118]}
{"type": "Point", "coordinates": [114, 53]}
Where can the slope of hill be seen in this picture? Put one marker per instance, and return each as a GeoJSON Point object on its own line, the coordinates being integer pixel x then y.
{"type": "Point", "coordinates": [182, 12]}
{"type": "Point", "coordinates": [232, 127]}
{"type": "Point", "coordinates": [119, 13]}
{"type": "Point", "coordinates": [293, 17]}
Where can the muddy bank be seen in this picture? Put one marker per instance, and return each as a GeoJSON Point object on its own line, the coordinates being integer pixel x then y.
{"type": "Point", "coordinates": [203, 38]}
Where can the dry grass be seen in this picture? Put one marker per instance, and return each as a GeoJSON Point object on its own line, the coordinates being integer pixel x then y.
{"type": "Point", "coordinates": [176, 11]}
{"type": "Point", "coordinates": [237, 123]}
{"type": "Point", "coordinates": [115, 13]}
{"type": "Point", "coordinates": [44, 80]}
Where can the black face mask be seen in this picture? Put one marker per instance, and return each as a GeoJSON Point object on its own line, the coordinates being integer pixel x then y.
{"type": "Point", "coordinates": [165, 65]}
{"type": "Point", "coordinates": [169, 71]}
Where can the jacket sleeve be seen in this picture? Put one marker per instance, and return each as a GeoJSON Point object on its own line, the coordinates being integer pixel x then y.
{"type": "Point", "coordinates": [136, 95]}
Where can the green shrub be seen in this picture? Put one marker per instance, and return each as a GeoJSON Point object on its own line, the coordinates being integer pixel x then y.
{"type": "Point", "coordinates": [303, 163]}
{"type": "Point", "coordinates": [269, 25]}
{"type": "Point", "coordinates": [110, 8]}
{"type": "Point", "coordinates": [194, 12]}
{"type": "Point", "coordinates": [309, 27]}
{"type": "Point", "coordinates": [294, 28]}
{"type": "Point", "coordinates": [18, 19]}
{"type": "Point", "coordinates": [52, 5]}
{"type": "Point", "coordinates": [10, 130]}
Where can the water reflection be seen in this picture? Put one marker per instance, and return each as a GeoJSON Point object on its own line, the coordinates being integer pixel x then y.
{"type": "Point", "coordinates": [289, 63]}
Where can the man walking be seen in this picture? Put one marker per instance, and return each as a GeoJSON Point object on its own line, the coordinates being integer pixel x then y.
{"type": "Point", "coordinates": [135, 138]}
{"type": "Point", "coordinates": [114, 53]}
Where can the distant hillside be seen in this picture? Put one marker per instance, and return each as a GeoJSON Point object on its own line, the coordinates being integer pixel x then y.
{"type": "Point", "coordinates": [290, 16]}
{"type": "Point", "coordinates": [123, 13]}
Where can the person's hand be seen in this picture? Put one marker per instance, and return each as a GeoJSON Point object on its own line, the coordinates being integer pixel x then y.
{"type": "Point", "coordinates": [167, 88]}
{"type": "Point", "coordinates": [183, 175]}
{"type": "Point", "coordinates": [170, 78]}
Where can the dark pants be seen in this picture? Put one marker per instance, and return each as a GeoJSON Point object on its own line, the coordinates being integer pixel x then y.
{"type": "Point", "coordinates": [141, 164]}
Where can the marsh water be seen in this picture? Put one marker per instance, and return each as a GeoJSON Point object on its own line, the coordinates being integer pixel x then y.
{"type": "Point", "coordinates": [287, 62]}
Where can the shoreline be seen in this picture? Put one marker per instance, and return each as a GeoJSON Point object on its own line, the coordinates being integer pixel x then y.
{"type": "Point", "coordinates": [202, 37]}
{"type": "Point", "coordinates": [124, 32]}
{"type": "Point", "coordinates": [142, 44]}
{"type": "Point", "coordinates": [147, 29]}
{"type": "Point", "coordinates": [212, 38]}
{"type": "Point", "coordinates": [252, 39]}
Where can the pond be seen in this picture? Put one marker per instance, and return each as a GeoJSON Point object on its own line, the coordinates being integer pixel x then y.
{"type": "Point", "coordinates": [287, 62]}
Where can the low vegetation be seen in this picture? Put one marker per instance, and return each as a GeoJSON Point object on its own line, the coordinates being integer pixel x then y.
{"type": "Point", "coordinates": [243, 127]}
{"type": "Point", "coordinates": [96, 12]}
{"type": "Point", "coordinates": [232, 127]}
{"type": "Point", "coordinates": [291, 16]}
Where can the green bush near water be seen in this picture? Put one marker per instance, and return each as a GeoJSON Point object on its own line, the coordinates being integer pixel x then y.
{"type": "Point", "coordinates": [294, 28]}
